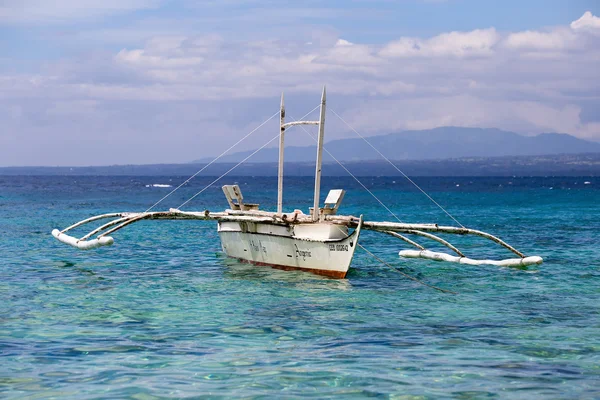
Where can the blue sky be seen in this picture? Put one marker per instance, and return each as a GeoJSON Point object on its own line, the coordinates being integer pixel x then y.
{"type": "Point", "coordinates": [83, 82]}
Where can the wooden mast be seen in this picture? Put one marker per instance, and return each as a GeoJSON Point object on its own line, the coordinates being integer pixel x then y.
{"type": "Point", "coordinates": [316, 210]}
{"type": "Point", "coordinates": [280, 169]}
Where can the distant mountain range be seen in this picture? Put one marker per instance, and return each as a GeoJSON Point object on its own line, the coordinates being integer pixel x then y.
{"type": "Point", "coordinates": [433, 144]}
{"type": "Point", "coordinates": [447, 151]}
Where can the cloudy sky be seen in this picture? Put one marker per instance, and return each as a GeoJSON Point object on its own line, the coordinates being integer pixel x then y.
{"type": "Point", "coordinates": [100, 82]}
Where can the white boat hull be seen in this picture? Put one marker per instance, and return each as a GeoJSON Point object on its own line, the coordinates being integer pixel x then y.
{"type": "Point", "coordinates": [323, 249]}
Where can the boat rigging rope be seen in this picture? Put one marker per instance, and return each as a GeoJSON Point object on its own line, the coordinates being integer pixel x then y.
{"type": "Point", "coordinates": [391, 212]}
{"type": "Point", "coordinates": [213, 161]}
{"type": "Point", "coordinates": [397, 169]}
{"type": "Point", "coordinates": [244, 160]}
{"type": "Point", "coordinates": [228, 171]}
{"type": "Point", "coordinates": [351, 174]}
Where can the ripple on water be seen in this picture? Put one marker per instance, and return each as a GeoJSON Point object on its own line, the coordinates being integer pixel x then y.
{"type": "Point", "coordinates": [173, 318]}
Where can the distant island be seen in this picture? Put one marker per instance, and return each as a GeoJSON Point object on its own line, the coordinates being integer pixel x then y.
{"type": "Point", "coordinates": [434, 144]}
{"type": "Point", "coordinates": [552, 165]}
{"type": "Point", "coordinates": [446, 151]}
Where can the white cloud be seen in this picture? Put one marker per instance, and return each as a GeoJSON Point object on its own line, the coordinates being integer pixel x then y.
{"type": "Point", "coordinates": [479, 42]}
{"type": "Point", "coordinates": [346, 53]}
{"type": "Point", "coordinates": [587, 22]}
{"type": "Point", "coordinates": [528, 82]}
{"type": "Point", "coordinates": [342, 42]}
{"type": "Point", "coordinates": [558, 39]}
{"type": "Point", "coordinates": [470, 111]}
{"type": "Point", "coordinates": [142, 59]}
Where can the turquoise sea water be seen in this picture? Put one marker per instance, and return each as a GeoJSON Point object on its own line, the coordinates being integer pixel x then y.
{"type": "Point", "coordinates": [163, 314]}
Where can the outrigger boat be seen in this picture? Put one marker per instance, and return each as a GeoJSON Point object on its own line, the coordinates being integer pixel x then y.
{"type": "Point", "coordinates": [319, 241]}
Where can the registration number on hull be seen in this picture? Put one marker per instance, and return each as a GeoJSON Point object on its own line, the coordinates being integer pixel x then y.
{"type": "Point", "coordinates": [338, 247]}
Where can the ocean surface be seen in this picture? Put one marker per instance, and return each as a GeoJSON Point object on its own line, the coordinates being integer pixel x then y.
{"type": "Point", "coordinates": [164, 314]}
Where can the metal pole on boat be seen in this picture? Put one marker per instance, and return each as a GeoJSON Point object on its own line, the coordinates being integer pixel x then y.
{"type": "Point", "coordinates": [280, 170]}
{"type": "Point", "coordinates": [316, 213]}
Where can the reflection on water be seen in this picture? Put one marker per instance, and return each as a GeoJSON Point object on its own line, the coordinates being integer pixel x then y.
{"type": "Point", "coordinates": [235, 269]}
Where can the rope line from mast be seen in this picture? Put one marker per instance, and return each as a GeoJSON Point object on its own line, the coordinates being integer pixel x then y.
{"type": "Point", "coordinates": [391, 212]}
{"type": "Point", "coordinates": [352, 175]}
{"type": "Point", "coordinates": [397, 169]}
{"type": "Point", "coordinates": [228, 171]}
{"type": "Point", "coordinates": [213, 161]}
{"type": "Point", "coordinates": [244, 160]}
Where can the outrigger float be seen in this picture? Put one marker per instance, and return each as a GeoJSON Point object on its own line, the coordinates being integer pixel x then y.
{"type": "Point", "coordinates": [319, 242]}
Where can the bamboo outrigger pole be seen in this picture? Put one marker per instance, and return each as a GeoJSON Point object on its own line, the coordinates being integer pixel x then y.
{"type": "Point", "coordinates": [121, 220]}
{"type": "Point", "coordinates": [242, 213]}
